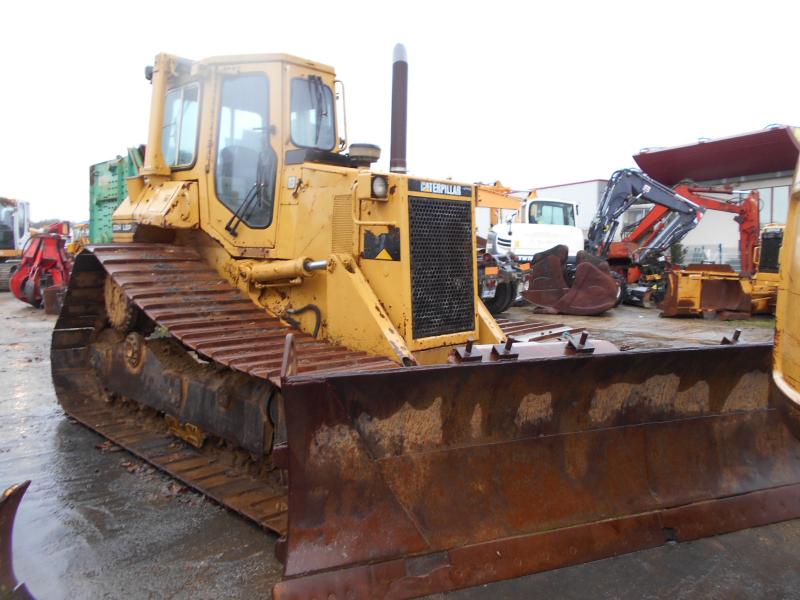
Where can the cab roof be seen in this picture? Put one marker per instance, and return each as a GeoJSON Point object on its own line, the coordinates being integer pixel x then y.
{"type": "Point", "coordinates": [261, 58]}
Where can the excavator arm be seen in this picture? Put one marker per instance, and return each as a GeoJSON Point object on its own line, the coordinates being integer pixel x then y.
{"type": "Point", "coordinates": [628, 187]}
{"type": "Point", "coordinates": [746, 212]}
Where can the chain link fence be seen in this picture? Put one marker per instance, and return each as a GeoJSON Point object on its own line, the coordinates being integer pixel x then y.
{"type": "Point", "coordinates": [713, 253]}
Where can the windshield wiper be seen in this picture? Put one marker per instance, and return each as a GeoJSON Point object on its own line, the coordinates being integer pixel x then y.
{"type": "Point", "coordinates": [315, 90]}
{"type": "Point", "coordinates": [257, 191]}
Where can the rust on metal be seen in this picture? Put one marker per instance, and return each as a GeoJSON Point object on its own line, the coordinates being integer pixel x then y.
{"type": "Point", "coordinates": [10, 588]}
{"type": "Point", "coordinates": [592, 292]}
{"type": "Point", "coordinates": [177, 289]}
{"type": "Point", "coordinates": [485, 472]}
{"type": "Point", "coordinates": [104, 376]}
{"type": "Point", "coordinates": [408, 481]}
{"type": "Point", "coordinates": [710, 291]}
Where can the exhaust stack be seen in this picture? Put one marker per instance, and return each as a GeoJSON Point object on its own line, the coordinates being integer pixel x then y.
{"type": "Point", "coordinates": [397, 156]}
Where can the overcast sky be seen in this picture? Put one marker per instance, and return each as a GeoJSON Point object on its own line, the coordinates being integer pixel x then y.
{"type": "Point", "coordinates": [529, 93]}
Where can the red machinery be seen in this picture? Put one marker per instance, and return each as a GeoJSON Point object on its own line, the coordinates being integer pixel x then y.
{"type": "Point", "coordinates": [45, 264]}
{"type": "Point", "coordinates": [638, 257]}
{"type": "Point", "coordinates": [746, 212]}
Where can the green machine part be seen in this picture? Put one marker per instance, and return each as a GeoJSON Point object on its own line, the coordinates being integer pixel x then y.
{"type": "Point", "coordinates": [108, 187]}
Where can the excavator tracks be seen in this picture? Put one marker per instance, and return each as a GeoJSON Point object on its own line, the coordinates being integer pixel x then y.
{"type": "Point", "coordinates": [213, 329]}
{"type": "Point", "coordinates": [6, 272]}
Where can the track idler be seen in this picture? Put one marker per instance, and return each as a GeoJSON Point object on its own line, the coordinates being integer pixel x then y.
{"type": "Point", "coordinates": [593, 290]}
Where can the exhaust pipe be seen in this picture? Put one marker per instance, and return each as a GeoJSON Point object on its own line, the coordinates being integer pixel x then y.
{"type": "Point", "coordinates": [397, 156]}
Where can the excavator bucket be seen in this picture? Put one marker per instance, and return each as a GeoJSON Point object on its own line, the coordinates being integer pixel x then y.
{"type": "Point", "coordinates": [712, 291]}
{"type": "Point", "coordinates": [414, 481]}
{"type": "Point", "coordinates": [593, 290]}
{"type": "Point", "coordinates": [10, 588]}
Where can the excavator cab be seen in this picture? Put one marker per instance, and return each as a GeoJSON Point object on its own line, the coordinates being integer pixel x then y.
{"type": "Point", "coordinates": [310, 330]}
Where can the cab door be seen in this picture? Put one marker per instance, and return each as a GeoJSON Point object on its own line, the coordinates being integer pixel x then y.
{"type": "Point", "coordinates": [244, 158]}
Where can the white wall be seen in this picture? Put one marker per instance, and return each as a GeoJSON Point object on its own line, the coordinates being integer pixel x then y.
{"type": "Point", "coordinates": [585, 194]}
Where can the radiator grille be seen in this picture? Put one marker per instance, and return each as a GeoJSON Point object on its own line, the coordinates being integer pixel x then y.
{"type": "Point", "coordinates": [342, 229]}
{"type": "Point", "coordinates": [770, 252]}
{"type": "Point", "coordinates": [442, 261]}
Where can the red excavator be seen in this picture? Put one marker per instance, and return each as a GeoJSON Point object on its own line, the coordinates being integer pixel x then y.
{"type": "Point", "coordinates": [746, 211]}
{"type": "Point", "coordinates": [638, 257]}
{"type": "Point", "coordinates": [717, 290]}
{"type": "Point", "coordinates": [44, 269]}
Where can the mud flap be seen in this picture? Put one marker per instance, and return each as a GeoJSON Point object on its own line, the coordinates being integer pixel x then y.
{"type": "Point", "coordinates": [593, 290]}
{"type": "Point", "coordinates": [10, 588]}
{"type": "Point", "coordinates": [427, 479]}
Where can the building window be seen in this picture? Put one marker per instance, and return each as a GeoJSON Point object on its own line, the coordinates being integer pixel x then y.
{"type": "Point", "coordinates": [774, 204]}
{"type": "Point", "coordinates": [780, 204]}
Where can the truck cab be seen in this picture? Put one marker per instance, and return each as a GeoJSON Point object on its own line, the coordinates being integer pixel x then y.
{"type": "Point", "coordinates": [540, 224]}
{"type": "Point", "coordinates": [14, 225]}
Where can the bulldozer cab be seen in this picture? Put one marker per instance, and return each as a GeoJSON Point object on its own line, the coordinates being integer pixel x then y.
{"type": "Point", "coordinates": [227, 124]}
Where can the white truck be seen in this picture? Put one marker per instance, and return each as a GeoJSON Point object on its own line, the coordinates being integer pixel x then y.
{"type": "Point", "coordinates": [540, 224]}
{"type": "Point", "coordinates": [14, 226]}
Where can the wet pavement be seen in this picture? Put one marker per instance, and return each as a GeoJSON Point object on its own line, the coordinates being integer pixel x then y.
{"type": "Point", "coordinates": [634, 327]}
{"type": "Point", "coordinates": [101, 524]}
{"type": "Point", "coordinates": [97, 523]}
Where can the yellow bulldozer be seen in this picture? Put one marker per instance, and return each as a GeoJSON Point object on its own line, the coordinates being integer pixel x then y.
{"type": "Point", "coordinates": [300, 337]}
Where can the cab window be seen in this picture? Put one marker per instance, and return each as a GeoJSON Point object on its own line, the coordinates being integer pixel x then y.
{"type": "Point", "coordinates": [246, 162]}
{"type": "Point", "coordinates": [312, 113]}
{"type": "Point", "coordinates": [551, 213]}
{"type": "Point", "coordinates": [179, 136]}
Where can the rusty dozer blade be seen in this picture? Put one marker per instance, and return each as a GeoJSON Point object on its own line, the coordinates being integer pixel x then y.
{"type": "Point", "coordinates": [415, 481]}
{"type": "Point", "coordinates": [593, 290]}
{"type": "Point", "coordinates": [710, 291]}
{"type": "Point", "coordinates": [10, 588]}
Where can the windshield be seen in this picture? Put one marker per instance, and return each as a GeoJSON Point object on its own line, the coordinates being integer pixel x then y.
{"type": "Point", "coordinates": [551, 213]}
{"type": "Point", "coordinates": [312, 113]}
{"type": "Point", "coordinates": [6, 228]}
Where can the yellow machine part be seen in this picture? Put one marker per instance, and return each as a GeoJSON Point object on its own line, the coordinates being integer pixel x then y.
{"type": "Point", "coordinates": [786, 361]}
{"type": "Point", "coordinates": [706, 290]}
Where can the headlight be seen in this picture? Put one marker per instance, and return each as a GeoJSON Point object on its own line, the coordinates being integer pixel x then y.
{"type": "Point", "coordinates": [379, 187]}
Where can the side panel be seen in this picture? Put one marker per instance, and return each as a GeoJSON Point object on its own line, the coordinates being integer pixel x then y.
{"type": "Point", "coordinates": [787, 324]}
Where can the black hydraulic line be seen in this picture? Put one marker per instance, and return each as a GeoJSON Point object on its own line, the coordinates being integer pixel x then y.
{"type": "Point", "coordinates": [302, 309]}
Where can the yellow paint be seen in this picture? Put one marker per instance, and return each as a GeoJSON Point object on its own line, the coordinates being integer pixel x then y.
{"type": "Point", "coordinates": [321, 212]}
{"type": "Point", "coordinates": [383, 255]}
{"type": "Point", "coordinates": [786, 358]}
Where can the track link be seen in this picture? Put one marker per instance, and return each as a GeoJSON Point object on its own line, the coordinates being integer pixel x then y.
{"type": "Point", "coordinates": [6, 272]}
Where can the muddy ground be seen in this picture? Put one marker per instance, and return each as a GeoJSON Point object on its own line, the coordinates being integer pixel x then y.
{"type": "Point", "coordinates": [97, 523]}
